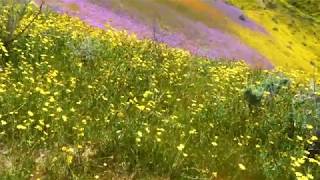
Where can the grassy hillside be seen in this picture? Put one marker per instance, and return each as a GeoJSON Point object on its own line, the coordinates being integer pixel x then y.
{"type": "Point", "coordinates": [294, 39]}
{"type": "Point", "coordinates": [309, 7]}
{"type": "Point", "coordinates": [271, 34]}
{"type": "Point", "coordinates": [79, 102]}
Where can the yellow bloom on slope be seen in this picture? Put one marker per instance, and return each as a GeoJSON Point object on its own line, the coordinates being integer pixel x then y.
{"type": "Point", "coordinates": [180, 147]}
{"type": "Point", "coordinates": [69, 159]}
{"type": "Point", "coordinates": [22, 127]}
{"type": "Point", "coordinates": [30, 113]}
{"type": "Point", "coordinates": [64, 118]}
{"type": "Point", "coordinates": [309, 126]}
{"type": "Point", "coordinates": [141, 108]}
{"type": "Point", "coordinates": [51, 99]}
{"type": "Point", "coordinates": [214, 144]}
{"type": "Point", "coordinates": [59, 109]}
{"type": "Point", "coordinates": [242, 167]}
{"type": "Point", "coordinates": [139, 133]}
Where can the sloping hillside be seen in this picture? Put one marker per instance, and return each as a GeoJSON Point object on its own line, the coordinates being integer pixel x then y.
{"type": "Point", "coordinates": [79, 102]}
{"type": "Point", "coordinates": [308, 7]}
{"type": "Point", "coordinates": [263, 37]}
{"type": "Point", "coordinates": [293, 41]}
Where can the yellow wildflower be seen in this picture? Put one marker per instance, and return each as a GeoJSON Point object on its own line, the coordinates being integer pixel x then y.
{"type": "Point", "coordinates": [242, 167]}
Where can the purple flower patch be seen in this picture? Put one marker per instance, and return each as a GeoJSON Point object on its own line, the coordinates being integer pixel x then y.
{"type": "Point", "coordinates": [191, 35]}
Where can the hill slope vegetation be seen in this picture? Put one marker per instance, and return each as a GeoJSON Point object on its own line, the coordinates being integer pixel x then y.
{"type": "Point", "coordinates": [79, 102]}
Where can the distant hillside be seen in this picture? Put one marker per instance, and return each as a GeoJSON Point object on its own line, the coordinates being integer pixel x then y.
{"type": "Point", "coordinates": [294, 30]}
{"type": "Point", "coordinates": [310, 7]}
{"type": "Point", "coordinates": [264, 33]}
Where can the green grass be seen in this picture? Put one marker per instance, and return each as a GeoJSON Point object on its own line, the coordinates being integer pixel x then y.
{"type": "Point", "coordinates": [83, 103]}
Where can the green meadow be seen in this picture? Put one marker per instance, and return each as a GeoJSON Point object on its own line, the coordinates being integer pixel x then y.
{"type": "Point", "coordinates": [78, 102]}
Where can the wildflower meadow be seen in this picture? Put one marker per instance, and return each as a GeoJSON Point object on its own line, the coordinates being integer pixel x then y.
{"type": "Point", "coordinates": [80, 102]}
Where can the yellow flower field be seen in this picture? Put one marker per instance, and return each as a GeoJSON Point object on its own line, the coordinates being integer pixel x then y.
{"type": "Point", "coordinates": [77, 102]}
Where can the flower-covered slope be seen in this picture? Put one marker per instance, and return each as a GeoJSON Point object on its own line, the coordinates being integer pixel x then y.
{"type": "Point", "coordinates": [78, 102]}
{"type": "Point", "coordinates": [210, 28]}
